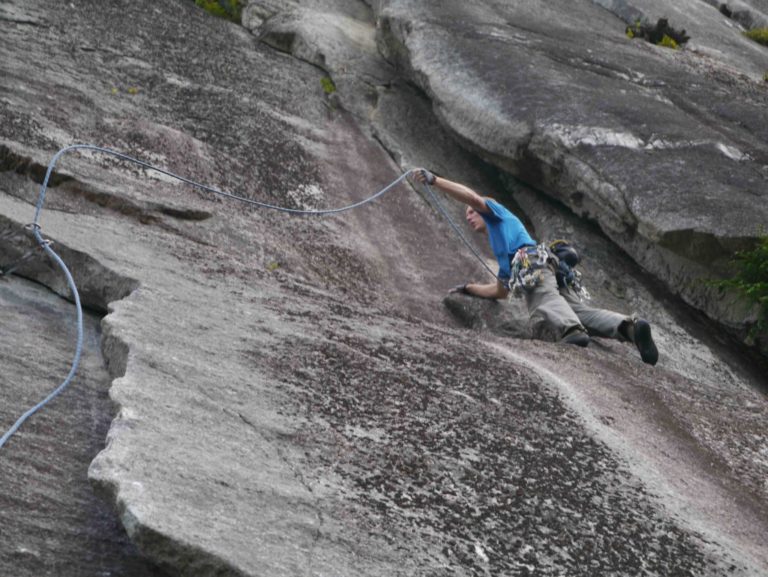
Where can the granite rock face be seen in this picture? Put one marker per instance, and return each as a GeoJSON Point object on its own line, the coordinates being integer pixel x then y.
{"type": "Point", "coordinates": [296, 395]}
{"type": "Point", "coordinates": [664, 149]}
{"type": "Point", "coordinates": [509, 318]}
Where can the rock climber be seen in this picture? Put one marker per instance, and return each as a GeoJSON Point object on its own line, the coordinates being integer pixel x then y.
{"type": "Point", "coordinates": [553, 306]}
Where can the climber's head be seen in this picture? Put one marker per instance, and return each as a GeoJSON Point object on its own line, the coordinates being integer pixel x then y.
{"type": "Point", "coordinates": [475, 220]}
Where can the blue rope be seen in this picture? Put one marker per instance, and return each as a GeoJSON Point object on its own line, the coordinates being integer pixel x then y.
{"type": "Point", "coordinates": [70, 281]}
{"type": "Point", "coordinates": [122, 156]}
{"type": "Point", "coordinates": [456, 228]}
{"type": "Point", "coordinates": [78, 350]}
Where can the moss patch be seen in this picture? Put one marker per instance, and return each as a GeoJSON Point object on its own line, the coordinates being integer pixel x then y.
{"type": "Point", "coordinates": [329, 87]}
{"type": "Point", "coordinates": [751, 278]}
{"type": "Point", "coordinates": [661, 34]}
{"type": "Point", "coordinates": [759, 35]}
{"type": "Point", "coordinates": [229, 9]}
{"type": "Point", "coordinates": [668, 42]}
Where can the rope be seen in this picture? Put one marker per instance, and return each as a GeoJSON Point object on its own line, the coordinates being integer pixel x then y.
{"type": "Point", "coordinates": [456, 228]}
{"type": "Point", "coordinates": [122, 156]}
{"type": "Point", "coordinates": [78, 349]}
{"type": "Point", "coordinates": [45, 245]}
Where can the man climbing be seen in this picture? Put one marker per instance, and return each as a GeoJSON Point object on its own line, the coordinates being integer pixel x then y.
{"type": "Point", "coordinates": [553, 306]}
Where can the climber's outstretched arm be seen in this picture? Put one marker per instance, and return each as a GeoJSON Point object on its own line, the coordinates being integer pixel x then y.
{"type": "Point", "coordinates": [457, 191]}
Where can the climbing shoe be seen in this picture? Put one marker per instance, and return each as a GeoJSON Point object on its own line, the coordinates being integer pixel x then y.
{"type": "Point", "coordinates": [576, 336]}
{"type": "Point", "coordinates": [639, 332]}
{"type": "Point", "coordinates": [644, 342]}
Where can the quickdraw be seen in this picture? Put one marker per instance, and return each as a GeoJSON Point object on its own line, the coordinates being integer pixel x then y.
{"type": "Point", "coordinates": [526, 271]}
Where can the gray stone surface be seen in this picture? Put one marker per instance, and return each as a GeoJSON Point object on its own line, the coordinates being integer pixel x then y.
{"type": "Point", "coordinates": [664, 149]}
{"type": "Point", "coordinates": [750, 13]}
{"type": "Point", "coordinates": [336, 36]}
{"type": "Point", "coordinates": [292, 395]}
{"type": "Point", "coordinates": [507, 318]}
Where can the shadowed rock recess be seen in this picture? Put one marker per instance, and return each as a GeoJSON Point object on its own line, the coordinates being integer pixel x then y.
{"type": "Point", "coordinates": [296, 395]}
{"type": "Point", "coordinates": [52, 523]}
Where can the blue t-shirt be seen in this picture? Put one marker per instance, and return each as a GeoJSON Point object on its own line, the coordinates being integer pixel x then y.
{"type": "Point", "coordinates": [506, 234]}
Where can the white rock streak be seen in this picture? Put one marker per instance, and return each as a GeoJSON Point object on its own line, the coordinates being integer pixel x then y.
{"type": "Point", "coordinates": [573, 136]}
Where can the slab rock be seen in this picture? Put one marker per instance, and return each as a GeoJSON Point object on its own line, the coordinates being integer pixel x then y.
{"type": "Point", "coordinates": [290, 396]}
{"type": "Point", "coordinates": [509, 318]}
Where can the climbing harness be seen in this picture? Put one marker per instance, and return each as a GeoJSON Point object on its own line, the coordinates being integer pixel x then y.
{"type": "Point", "coordinates": [45, 245]}
{"type": "Point", "coordinates": [526, 270]}
{"type": "Point", "coordinates": [559, 255]}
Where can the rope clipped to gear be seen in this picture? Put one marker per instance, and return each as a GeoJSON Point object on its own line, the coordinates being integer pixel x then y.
{"type": "Point", "coordinates": [46, 245]}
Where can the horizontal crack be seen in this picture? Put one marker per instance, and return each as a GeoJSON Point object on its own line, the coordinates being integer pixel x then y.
{"type": "Point", "coordinates": [25, 166]}
{"type": "Point", "coordinates": [24, 22]}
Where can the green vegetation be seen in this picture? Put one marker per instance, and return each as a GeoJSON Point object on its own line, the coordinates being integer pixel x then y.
{"type": "Point", "coordinates": [660, 34]}
{"type": "Point", "coordinates": [635, 29]}
{"type": "Point", "coordinates": [668, 42]}
{"type": "Point", "coordinates": [759, 35]}
{"type": "Point", "coordinates": [229, 9]}
{"type": "Point", "coordinates": [751, 278]}
{"type": "Point", "coordinates": [328, 86]}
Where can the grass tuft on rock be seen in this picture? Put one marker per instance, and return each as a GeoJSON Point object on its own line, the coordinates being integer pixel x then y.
{"type": "Point", "coordinates": [228, 9]}
{"type": "Point", "coordinates": [759, 35]}
{"type": "Point", "coordinates": [661, 34]}
{"type": "Point", "coordinates": [668, 42]}
{"type": "Point", "coordinates": [751, 278]}
{"type": "Point", "coordinates": [328, 85]}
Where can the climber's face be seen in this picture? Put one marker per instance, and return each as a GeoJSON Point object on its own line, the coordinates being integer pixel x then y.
{"type": "Point", "coordinates": [475, 220]}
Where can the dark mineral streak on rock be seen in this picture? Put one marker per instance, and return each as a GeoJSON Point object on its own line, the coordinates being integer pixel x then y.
{"type": "Point", "coordinates": [475, 459]}
{"type": "Point", "coordinates": [52, 523]}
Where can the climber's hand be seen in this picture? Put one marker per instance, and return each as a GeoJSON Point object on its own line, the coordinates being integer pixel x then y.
{"type": "Point", "coordinates": [459, 289]}
{"type": "Point", "coordinates": [425, 177]}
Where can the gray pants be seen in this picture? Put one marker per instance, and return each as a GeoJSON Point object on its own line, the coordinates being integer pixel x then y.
{"type": "Point", "coordinates": [554, 311]}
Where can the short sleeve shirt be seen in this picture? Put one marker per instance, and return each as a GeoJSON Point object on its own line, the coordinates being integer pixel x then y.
{"type": "Point", "coordinates": [506, 234]}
